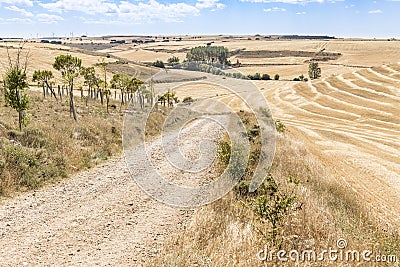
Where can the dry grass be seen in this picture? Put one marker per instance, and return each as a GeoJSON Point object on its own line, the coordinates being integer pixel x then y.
{"type": "Point", "coordinates": [52, 146]}
{"type": "Point", "coordinates": [225, 233]}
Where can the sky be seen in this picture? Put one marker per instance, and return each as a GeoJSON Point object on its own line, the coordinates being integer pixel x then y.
{"type": "Point", "coordinates": [66, 18]}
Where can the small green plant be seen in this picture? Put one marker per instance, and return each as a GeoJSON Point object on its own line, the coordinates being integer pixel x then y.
{"type": "Point", "coordinates": [279, 126]}
{"type": "Point", "coordinates": [224, 152]}
{"type": "Point", "coordinates": [276, 77]}
{"type": "Point", "coordinates": [272, 208]}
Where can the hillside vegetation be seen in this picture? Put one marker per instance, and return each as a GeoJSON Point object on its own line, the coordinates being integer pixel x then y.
{"type": "Point", "coordinates": [319, 212]}
{"type": "Point", "coordinates": [52, 145]}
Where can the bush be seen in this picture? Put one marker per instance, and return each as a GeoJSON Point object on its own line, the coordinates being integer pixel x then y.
{"type": "Point", "coordinates": [159, 64]}
{"type": "Point", "coordinates": [276, 77]}
{"type": "Point", "coordinates": [273, 207]}
{"type": "Point", "coordinates": [258, 76]}
{"type": "Point", "coordinates": [173, 61]}
{"type": "Point", "coordinates": [266, 77]}
{"type": "Point", "coordinates": [280, 127]}
{"type": "Point", "coordinates": [188, 99]}
{"type": "Point", "coordinates": [22, 163]}
{"type": "Point", "coordinates": [301, 78]}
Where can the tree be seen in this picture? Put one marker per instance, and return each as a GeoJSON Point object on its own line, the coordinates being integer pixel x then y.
{"type": "Point", "coordinates": [159, 64]}
{"type": "Point", "coordinates": [126, 85]}
{"type": "Point", "coordinates": [168, 98]}
{"type": "Point", "coordinates": [314, 71]}
{"type": "Point", "coordinates": [208, 54]}
{"type": "Point", "coordinates": [136, 85]}
{"type": "Point", "coordinates": [120, 81]}
{"type": "Point", "coordinates": [70, 68]}
{"type": "Point", "coordinates": [276, 77]}
{"type": "Point", "coordinates": [92, 80]}
{"type": "Point", "coordinates": [15, 85]}
{"type": "Point", "coordinates": [173, 61]}
{"type": "Point", "coordinates": [44, 77]}
{"type": "Point", "coordinates": [266, 77]}
{"type": "Point", "coordinates": [103, 65]}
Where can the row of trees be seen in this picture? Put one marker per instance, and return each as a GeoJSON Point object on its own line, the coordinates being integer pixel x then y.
{"type": "Point", "coordinates": [16, 83]}
{"type": "Point", "coordinates": [265, 77]}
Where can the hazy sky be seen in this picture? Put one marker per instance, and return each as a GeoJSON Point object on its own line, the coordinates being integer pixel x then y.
{"type": "Point", "coordinates": [340, 18]}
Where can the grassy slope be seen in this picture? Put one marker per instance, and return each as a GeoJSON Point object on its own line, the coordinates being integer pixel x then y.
{"type": "Point", "coordinates": [227, 232]}
{"type": "Point", "coordinates": [52, 145]}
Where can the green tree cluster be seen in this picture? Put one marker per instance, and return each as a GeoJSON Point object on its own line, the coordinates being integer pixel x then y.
{"type": "Point", "coordinates": [126, 85]}
{"type": "Point", "coordinates": [258, 76]}
{"type": "Point", "coordinates": [209, 54]}
{"type": "Point", "coordinates": [172, 61]}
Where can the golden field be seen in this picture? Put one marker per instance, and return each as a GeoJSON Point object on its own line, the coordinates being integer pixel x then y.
{"type": "Point", "coordinates": [343, 130]}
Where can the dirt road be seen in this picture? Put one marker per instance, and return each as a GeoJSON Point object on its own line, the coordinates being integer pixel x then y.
{"type": "Point", "coordinates": [98, 217]}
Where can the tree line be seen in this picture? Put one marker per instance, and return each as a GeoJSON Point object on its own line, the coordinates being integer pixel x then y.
{"type": "Point", "coordinates": [16, 83]}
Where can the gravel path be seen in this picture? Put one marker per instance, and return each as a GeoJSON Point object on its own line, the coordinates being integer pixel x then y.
{"type": "Point", "coordinates": [98, 217]}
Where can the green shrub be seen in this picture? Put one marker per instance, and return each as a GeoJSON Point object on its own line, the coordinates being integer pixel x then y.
{"type": "Point", "coordinates": [266, 77]}
{"type": "Point", "coordinates": [272, 207]}
{"type": "Point", "coordinates": [280, 127]}
{"type": "Point", "coordinates": [159, 64]}
{"type": "Point", "coordinates": [188, 99]}
{"type": "Point", "coordinates": [173, 61]}
{"type": "Point", "coordinates": [22, 163]}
